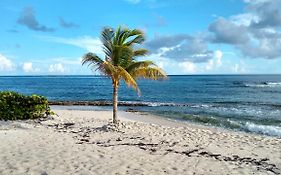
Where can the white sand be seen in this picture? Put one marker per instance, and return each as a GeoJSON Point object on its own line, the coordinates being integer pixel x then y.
{"type": "Point", "coordinates": [56, 147]}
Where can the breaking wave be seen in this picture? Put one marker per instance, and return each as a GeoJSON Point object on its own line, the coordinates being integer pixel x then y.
{"type": "Point", "coordinates": [264, 84]}
{"type": "Point", "coordinates": [235, 125]}
{"type": "Point", "coordinates": [263, 129]}
{"type": "Point", "coordinates": [109, 103]}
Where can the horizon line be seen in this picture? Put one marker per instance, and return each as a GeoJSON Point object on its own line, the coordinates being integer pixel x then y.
{"type": "Point", "coordinates": [167, 75]}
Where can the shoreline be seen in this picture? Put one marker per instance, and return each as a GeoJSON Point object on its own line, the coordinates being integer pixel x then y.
{"type": "Point", "coordinates": [82, 142]}
{"type": "Point", "coordinates": [149, 118]}
{"type": "Point", "coordinates": [109, 103]}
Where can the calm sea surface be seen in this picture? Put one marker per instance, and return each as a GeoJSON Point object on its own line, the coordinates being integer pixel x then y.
{"type": "Point", "coordinates": [250, 103]}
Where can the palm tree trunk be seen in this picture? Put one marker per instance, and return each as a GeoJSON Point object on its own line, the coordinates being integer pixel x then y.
{"type": "Point", "coordinates": [115, 101]}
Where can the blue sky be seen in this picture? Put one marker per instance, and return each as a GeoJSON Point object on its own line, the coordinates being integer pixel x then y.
{"type": "Point", "coordinates": [184, 37]}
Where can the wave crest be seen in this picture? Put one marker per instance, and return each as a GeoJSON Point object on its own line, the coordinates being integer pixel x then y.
{"type": "Point", "coordinates": [263, 84]}
{"type": "Point", "coordinates": [264, 129]}
{"type": "Point", "coordinates": [109, 103]}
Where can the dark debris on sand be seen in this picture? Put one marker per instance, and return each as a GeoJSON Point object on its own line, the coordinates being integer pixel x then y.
{"type": "Point", "coordinates": [163, 147]}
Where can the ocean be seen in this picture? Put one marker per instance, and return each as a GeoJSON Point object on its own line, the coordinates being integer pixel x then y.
{"type": "Point", "coordinates": [249, 103]}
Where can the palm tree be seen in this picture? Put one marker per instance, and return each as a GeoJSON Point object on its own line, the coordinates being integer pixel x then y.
{"type": "Point", "coordinates": [120, 60]}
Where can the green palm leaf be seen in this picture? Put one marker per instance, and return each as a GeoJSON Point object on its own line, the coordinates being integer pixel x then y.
{"type": "Point", "coordinates": [139, 64]}
{"type": "Point", "coordinates": [120, 63]}
{"type": "Point", "coordinates": [140, 52]}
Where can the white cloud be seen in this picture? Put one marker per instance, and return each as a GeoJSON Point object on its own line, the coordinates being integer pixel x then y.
{"type": "Point", "coordinates": [256, 1]}
{"type": "Point", "coordinates": [218, 56]}
{"type": "Point", "coordinates": [188, 67]}
{"type": "Point", "coordinates": [68, 61]}
{"type": "Point", "coordinates": [255, 33]}
{"type": "Point", "coordinates": [5, 64]}
{"type": "Point", "coordinates": [239, 68]}
{"type": "Point", "coordinates": [162, 62]}
{"type": "Point", "coordinates": [86, 42]}
{"type": "Point", "coordinates": [170, 65]}
{"type": "Point", "coordinates": [56, 68]}
{"type": "Point", "coordinates": [28, 67]}
{"type": "Point", "coordinates": [236, 68]}
{"type": "Point", "coordinates": [244, 19]}
{"type": "Point", "coordinates": [161, 65]}
{"type": "Point", "coordinates": [210, 65]}
{"type": "Point", "coordinates": [181, 47]}
{"type": "Point", "coordinates": [216, 61]}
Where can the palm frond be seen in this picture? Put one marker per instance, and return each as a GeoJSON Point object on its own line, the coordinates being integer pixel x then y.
{"type": "Point", "coordinates": [120, 62]}
{"type": "Point", "coordinates": [123, 36]}
{"type": "Point", "coordinates": [140, 52]}
{"type": "Point", "coordinates": [116, 36]}
{"type": "Point", "coordinates": [107, 34]}
{"type": "Point", "coordinates": [154, 73]}
{"type": "Point", "coordinates": [95, 62]}
{"type": "Point", "coordinates": [106, 38]}
{"type": "Point", "coordinates": [126, 56]}
{"type": "Point", "coordinates": [137, 40]}
{"type": "Point", "coordinates": [135, 32]}
{"type": "Point", "coordinates": [91, 59]}
{"type": "Point", "coordinates": [122, 55]}
{"type": "Point", "coordinates": [139, 64]}
{"type": "Point", "coordinates": [110, 70]}
{"type": "Point", "coordinates": [129, 80]}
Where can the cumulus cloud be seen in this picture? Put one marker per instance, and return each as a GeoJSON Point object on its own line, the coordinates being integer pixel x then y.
{"type": "Point", "coordinates": [228, 32]}
{"type": "Point", "coordinates": [263, 46]}
{"type": "Point", "coordinates": [188, 67]}
{"type": "Point", "coordinates": [218, 56]}
{"type": "Point", "coordinates": [268, 12]}
{"type": "Point", "coordinates": [86, 42]}
{"type": "Point", "coordinates": [239, 68]}
{"type": "Point", "coordinates": [265, 30]}
{"type": "Point", "coordinates": [5, 64]}
{"type": "Point", "coordinates": [216, 61]}
{"type": "Point", "coordinates": [159, 42]}
{"type": "Point", "coordinates": [65, 24]}
{"type": "Point", "coordinates": [56, 68]}
{"type": "Point", "coordinates": [244, 19]}
{"type": "Point", "coordinates": [172, 66]}
{"type": "Point", "coordinates": [28, 67]}
{"type": "Point", "coordinates": [256, 33]}
{"type": "Point", "coordinates": [181, 47]}
{"type": "Point", "coordinates": [28, 19]}
{"type": "Point", "coordinates": [68, 61]}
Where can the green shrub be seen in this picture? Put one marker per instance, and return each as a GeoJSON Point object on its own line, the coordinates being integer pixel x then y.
{"type": "Point", "coordinates": [15, 106]}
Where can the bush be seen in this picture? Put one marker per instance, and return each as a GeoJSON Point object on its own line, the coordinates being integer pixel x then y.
{"type": "Point", "coordinates": [15, 106]}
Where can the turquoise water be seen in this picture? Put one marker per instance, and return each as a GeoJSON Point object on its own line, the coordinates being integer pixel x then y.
{"type": "Point", "coordinates": [250, 103]}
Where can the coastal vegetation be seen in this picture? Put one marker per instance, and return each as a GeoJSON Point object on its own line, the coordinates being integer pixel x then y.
{"type": "Point", "coordinates": [120, 61]}
{"type": "Point", "coordinates": [15, 106]}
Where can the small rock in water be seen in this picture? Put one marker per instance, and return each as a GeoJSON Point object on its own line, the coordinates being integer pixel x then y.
{"type": "Point", "coordinates": [131, 110]}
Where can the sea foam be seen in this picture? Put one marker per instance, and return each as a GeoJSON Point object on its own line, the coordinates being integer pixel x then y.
{"type": "Point", "coordinates": [264, 84]}
{"type": "Point", "coordinates": [264, 129]}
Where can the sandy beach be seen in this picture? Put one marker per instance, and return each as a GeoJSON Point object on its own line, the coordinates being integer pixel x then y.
{"type": "Point", "coordinates": [82, 142]}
